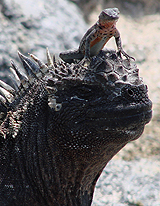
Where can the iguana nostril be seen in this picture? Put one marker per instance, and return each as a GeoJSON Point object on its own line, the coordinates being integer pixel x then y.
{"type": "Point", "coordinates": [130, 92]}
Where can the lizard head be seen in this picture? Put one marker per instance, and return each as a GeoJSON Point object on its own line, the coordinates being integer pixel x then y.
{"type": "Point", "coordinates": [110, 14]}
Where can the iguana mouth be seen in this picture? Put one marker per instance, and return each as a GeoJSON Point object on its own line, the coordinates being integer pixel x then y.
{"type": "Point", "coordinates": [121, 117]}
{"type": "Point", "coordinates": [131, 121]}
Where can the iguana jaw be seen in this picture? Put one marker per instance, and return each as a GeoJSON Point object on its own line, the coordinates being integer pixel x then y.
{"type": "Point", "coordinates": [121, 117]}
{"type": "Point", "coordinates": [101, 124]}
{"type": "Point", "coordinates": [101, 112]}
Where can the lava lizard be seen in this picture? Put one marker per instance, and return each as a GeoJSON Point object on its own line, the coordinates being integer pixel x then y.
{"type": "Point", "coordinates": [96, 37]}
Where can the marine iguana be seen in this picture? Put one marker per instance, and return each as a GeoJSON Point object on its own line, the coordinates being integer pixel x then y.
{"type": "Point", "coordinates": [62, 123]}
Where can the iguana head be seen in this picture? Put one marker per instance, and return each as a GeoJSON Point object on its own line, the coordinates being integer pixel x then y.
{"type": "Point", "coordinates": [107, 96]}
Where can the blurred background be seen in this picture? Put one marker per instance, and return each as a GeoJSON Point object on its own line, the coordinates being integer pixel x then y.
{"type": "Point", "coordinates": [31, 26]}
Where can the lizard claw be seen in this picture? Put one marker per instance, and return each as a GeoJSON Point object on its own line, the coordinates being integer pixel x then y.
{"type": "Point", "coordinates": [85, 62]}
{"type": "Point", "coordinates": [124, 54]}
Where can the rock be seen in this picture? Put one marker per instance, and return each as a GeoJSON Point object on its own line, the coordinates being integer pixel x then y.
{"type": "Point", "coordinates": [125, 183]}
{"type": "Point", "coordinates": [34, 25]}
{"type": "Point", "coordinates": [135, 8]}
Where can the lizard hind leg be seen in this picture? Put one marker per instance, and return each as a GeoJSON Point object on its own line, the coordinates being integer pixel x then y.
{"type": "Point", "coordinates": [70, 56]}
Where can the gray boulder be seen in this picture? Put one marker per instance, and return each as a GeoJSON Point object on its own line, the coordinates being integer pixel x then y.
{"type": "Point", "coordinates": [129, 183]}
{"type": "Point", "coordinates": [31, 26]}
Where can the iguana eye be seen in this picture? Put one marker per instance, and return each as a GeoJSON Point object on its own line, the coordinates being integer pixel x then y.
{"type": "Point", "coordinates": [84, 91]}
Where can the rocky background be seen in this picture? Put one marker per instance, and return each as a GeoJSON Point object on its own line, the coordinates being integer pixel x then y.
{"type": "Point", "coordinates": [31, 26]}
{"type": "Point", "coordinates": [132, 178]}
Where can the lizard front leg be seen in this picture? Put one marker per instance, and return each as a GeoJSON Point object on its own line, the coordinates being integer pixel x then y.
{"type": "Point", "coordinates": [88, 40]}
{"type": "Point", "coordinates": [119, 46]}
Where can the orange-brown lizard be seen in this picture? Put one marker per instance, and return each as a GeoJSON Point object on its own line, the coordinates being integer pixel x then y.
{"type": "Point", "coordinates": [96, 37]}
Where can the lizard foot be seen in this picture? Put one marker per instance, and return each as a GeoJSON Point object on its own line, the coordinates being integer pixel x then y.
{"type": "Point", "coordinates": [85, 62]}
{"type": "Point", "coordinates": [124, 54]}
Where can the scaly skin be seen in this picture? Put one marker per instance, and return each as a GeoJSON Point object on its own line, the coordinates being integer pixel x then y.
{"type": "Point", "coordinates": [96, 37]}
{"type": "Point", "coordinates": [65, 124]}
